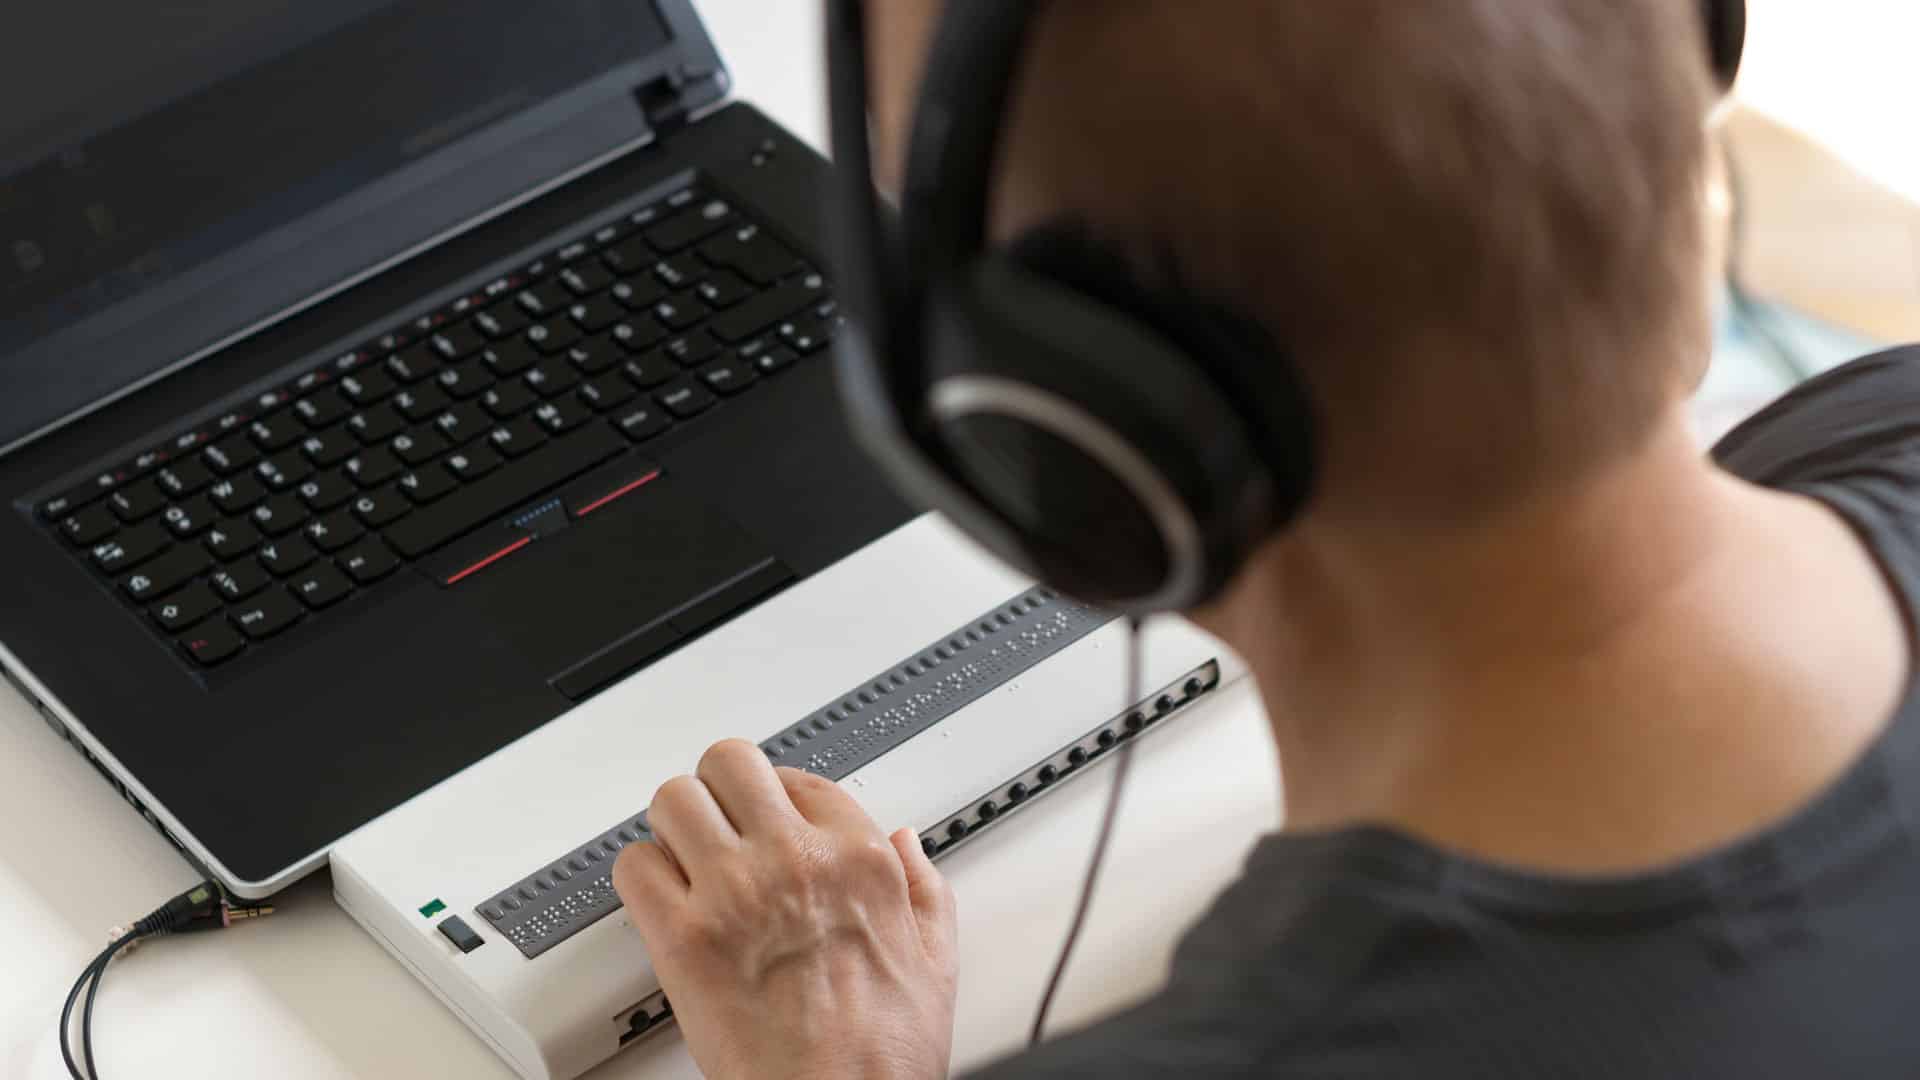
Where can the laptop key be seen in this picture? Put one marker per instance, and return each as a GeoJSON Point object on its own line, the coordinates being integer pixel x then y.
{"type": "Point", "coordinates": [265, 616]}
{"type": "Point", "coordinates": [425, 485]}
{"type": "Point", "coordinates": [638, 293]}
{"type": "Point", "coordinates": [585, 279]}
{"type": "Point", "coordinates": [320, 586]}
{"type": "Point", "coordinates": [472, 463]}
{"type": "Point", "coordinates": [461, 422]}
{"type": "Point", "coordinates": [769, 308]}
{"type": "Point", "coordinates": [367, 386]}
{"type": "Point", "coordinates": [323, 409]}
{"type": "Point", "coordinates": [373, 466]}
{"type": "Point", "coordinates": [465, 379]}
{"type": "Point", "coordinates": [231, 454]}
{"type": "Point", "coordinates": [239, 581]}
{"type": "Point", "coordinates": [381, 506]}
{"type": "Point", "coordinates": [163, 575]}
{"type": "Point", "coordinates": [412, 365]}
{"type": "Point", "coordinates": [456, 342]}
{"type": "Point", "coordinates": [334, 531]}
{"type": "Point", "coordinates": [562, 416]}
{"type": "Point", "coordinates": [551, 336]}
{"type": "Point", "coordinates": [140, 499]}
{"type": "Point", "coordinates": [606, 393]}
{"type": "Point", "coordinates": [752, 254]}
{"type": "Point", "coordinates": [509, 486]}
{"type": "Point", "coordinates": [376, 425]}
{"type": "Point", "coordinates": [683, 398]}
{"type": "Point", "coordinates": [728, 377]}
{"type": "Point", "coordinates": [89, 525]}
{"type": "Point", "coordinates": [595, 315]}
{"type": "Point", "coordinates": [272, 433]}
{"type": "Point", "coordinates": [651, 370]}
{"type": "Point", "coordinates": [416, 446]}
{"type": "Point", "coordinates": [637, 333]}
{"type": "Point", "coordinates": [130, 548]}
{"type": "Point", "coordinates": [183, 478]}
{"type": "Point", "coordinates": [723, 290]}
{"type": "Point", "coordinates": [692, 350]}
{"type": "Point", "coordinates": [551, 378]}
{"type": "Point", "coordinates": [278, 515]}
{"type": "Point", "coordinates": [368, 562]}
{"type": "Point", "coordinates": [680, 310]}
{"type": "Point", "coordinates": [544, 299]}
{"type": "Point", "coordinates": [502, 320]}
{"type": "Point", "coordinates": [515, 438]}
{"type": "Point", "coordinates": [284, 556]}
{"type": "Point", "coordinates": [237, 494]}
{"type": "Point", "coordinates": [282, 471]}
{"type": "Point", "coordinates": [324, 491]}
{"type": "Point", "coordinates": [509, 358]}
{"type": "Point", "coordinates": [594, 356]}
{"type": "Point", "coordinates": [419, 402]}
{"type": "Point", "coordinates": [184, 608]}
{"type": "Point", "coordinates": [691, 225]}
{"type": "Point", "coordinates": [629, 256]}
{"type": "Point", "coordinates": [679, 272]}
{"type": "Point", "coordinates": [775, 359]}
{"type": "Point", "coordinates": [212, 643]}
{"type": "Point", "coordinates": [330, 447]}
{"type": "Point", "coordinates": [188, 519]}
{"type": "Point", "coordinates": [230, 539]}
{"type": "Point", "coordinates": [508, 399]}
{"type": "Point", "coordinates": [643, 423]}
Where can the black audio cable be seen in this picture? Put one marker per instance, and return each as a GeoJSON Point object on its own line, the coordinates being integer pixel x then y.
{"type": "Point", "coordinates": [1100, 841]}
{"type": "Point", "coordinates": [203, 907]}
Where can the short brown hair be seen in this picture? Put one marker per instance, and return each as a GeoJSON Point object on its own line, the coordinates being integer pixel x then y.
{"type": "Point", "coordinates": [1478, 224]}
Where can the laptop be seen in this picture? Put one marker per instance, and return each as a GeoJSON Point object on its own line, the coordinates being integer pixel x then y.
{"type": "Point", "coordinates": [418, 440]}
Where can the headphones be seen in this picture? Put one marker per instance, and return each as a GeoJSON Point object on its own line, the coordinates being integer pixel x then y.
{"type": "Point", "coordinates": [1128, 444]}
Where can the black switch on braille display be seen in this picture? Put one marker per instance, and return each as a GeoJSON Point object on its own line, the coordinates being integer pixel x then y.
{"type": "Point", "coordinates": [456, 930]}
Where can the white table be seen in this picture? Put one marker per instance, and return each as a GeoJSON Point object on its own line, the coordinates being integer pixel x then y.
{"type": "Point", "coordinates": [305, 995]}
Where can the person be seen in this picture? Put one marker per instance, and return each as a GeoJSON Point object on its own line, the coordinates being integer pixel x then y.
{"type": "Point", "coordinates": [1599, 751]}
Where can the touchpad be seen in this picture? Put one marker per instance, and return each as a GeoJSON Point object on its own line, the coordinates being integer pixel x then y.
{"type": "Point", "coordinates": [573, 594]}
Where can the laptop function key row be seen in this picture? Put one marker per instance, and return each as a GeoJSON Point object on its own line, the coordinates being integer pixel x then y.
{"type": "Point", "coordinates": [291, 500]}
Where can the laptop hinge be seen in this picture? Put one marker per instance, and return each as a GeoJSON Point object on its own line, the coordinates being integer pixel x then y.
{"type": "Point", "coordinates": [664, 100]}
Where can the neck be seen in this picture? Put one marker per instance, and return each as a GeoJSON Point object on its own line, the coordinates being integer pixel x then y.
{"type": "Point", "coordinates": [1477, 684]}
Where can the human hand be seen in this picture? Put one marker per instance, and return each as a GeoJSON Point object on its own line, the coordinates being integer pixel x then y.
{"type": "Point", "coordinates": [792, 936]}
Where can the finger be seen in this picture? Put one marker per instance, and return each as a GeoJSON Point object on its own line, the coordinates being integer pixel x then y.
{"type": "Point", "coordinates": [931, 896]}
{"type": "Point", "coordinates": [742, 781]}
{"type": "Point", "coordinates": [690, 824]}
{"type": "Point", "coordinates": [825, 803]}
{"type": "Point", "coordinates": [651, 887]}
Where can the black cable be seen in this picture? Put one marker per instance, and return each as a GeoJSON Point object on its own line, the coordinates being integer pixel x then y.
{"type": "Point", "coordinates": [203, 907]}
{"type": "Point", "coordinates": [90, 974]}
{"type": "Point", "coordinates": [1100, 842]}
{"type": "Point", "coordinates": [1747, 308]}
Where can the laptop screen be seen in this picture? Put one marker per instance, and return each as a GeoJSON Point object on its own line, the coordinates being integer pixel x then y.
{"type": "Point", "coordinates": [145, 141]}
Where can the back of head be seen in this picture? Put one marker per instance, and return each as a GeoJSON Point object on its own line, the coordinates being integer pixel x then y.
{"type": "Point", "coordinates": [1477, 225]}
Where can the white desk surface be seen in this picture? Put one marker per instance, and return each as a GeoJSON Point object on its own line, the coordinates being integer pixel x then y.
{"type": "Point", "coordinates": [305, 995]}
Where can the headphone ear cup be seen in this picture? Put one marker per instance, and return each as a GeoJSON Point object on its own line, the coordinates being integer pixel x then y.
{"type": "Point", "coordinates": [1726, 23]}
{"type": "Point", "coordinates": [1129, 477]}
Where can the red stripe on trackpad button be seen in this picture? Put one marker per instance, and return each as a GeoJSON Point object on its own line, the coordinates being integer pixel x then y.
{"type": "Point", "coordinates": [486, 561]}
{"type": "Point", "coordinates": [614, 480]}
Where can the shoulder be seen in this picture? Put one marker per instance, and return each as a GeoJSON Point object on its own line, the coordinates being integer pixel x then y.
{"type": "Point", "coordinates": [1857, 418]}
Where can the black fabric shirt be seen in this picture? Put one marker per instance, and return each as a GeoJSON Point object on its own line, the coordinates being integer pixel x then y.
{"type": "Point", "coordinates": [1792, 953]}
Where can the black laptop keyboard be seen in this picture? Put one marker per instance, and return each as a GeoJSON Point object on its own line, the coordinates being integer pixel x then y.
{"type": "Point", "coordinates": [229, 532]}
